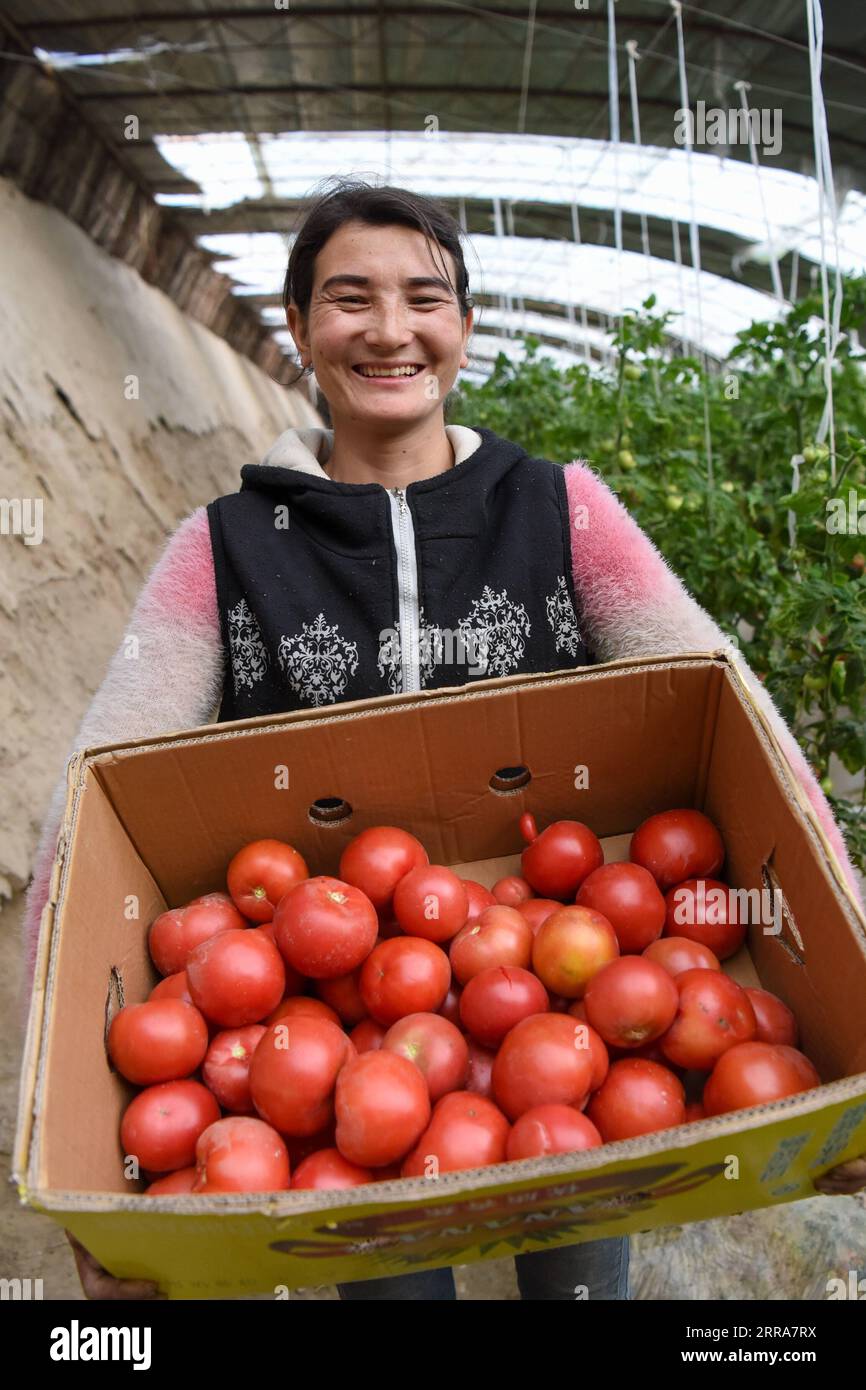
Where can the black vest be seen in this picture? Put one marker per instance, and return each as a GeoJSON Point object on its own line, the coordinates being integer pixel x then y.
{"type": "Point", "coordinates": [309, 580]}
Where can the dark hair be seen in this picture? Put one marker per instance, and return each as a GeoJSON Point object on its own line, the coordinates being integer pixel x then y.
{"type": "Point", "coordinates": [355, 200]}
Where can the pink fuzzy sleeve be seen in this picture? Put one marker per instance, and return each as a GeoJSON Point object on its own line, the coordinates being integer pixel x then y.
{"type": "Point", "coordinates": [166, 675]}
{"type": "Point", "coordinates": [633, 604]}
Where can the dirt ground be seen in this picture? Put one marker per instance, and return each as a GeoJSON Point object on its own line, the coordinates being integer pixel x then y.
{"type": "Point", "coordinates": [784, 1252]}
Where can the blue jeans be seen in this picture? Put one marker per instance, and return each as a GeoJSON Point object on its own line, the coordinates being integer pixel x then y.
{"type": "Point", "coordinates": [598, 1269]}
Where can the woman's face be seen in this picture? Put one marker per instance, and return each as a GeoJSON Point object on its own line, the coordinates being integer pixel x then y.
{"type": "Point", "coordinates": [366, 312]}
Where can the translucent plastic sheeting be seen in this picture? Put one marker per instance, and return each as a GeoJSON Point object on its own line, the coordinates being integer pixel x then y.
{"type": "Point", "coordinates": [557, 272]}
{"type": "Point", "coordinates": [525, 168]}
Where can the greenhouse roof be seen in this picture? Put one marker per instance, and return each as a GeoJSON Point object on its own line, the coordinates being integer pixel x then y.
{"type": "Point", "coordinates": [503, 112]}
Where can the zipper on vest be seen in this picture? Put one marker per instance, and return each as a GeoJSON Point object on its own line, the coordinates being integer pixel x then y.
{"type": "Point", "coordinates": [407, 588]}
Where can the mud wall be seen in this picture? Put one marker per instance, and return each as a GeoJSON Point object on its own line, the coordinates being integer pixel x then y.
{"type": "Point", "coordinates": [121, 414]}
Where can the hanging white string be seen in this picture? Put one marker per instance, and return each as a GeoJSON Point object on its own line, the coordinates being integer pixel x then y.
{"type": "Point", "coordinates": [613, 102]}
{"type": "Point", "coordinates": [796, 460]}
{"type": "Point", "coordinates": [527, 64]}
{"type": "Point", "coordinates": [678, 261]}
{"type": "Point", "coordinates": [694, 237]}
{"type": "Point", "coordinates": [795, 266]}
{"type": "Point", "coordinates": [742, 88]}
{"type": "Point", "coordinates": [826, 198]}
{"type": "Point", "coordinates": [504, 298]}
{"type": "Point", "coordinates": [575, 231]}
{"type": "Point", "coordinates": [633, 58]}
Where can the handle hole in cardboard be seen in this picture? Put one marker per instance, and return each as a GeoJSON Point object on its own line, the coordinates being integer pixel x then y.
{"type": "Point", "coordinates": [788, 935]}
{"type": "Point", "coordinates": [510, 779]}
{"type": "Point", "coordinates": [115, 1000]}
{"type": "Point", "coordinates": [330, 810]}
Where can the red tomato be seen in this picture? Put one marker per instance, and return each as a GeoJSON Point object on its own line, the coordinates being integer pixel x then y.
{"type": "Point", "coordinates": [294, 1071]}
{"type": "Point", "coordinates": [295, 983]}
{"type": "Point", "coordinates": [774, 1021]}
{"type": "Point", "coordinates": [406, 975]}
{"type": "Point", "coordinates": [496, 999]}
{"type": "Point", "coordinates": [550, 1129]}
{"type": "Point", "coordinates": [714, 1014]}
{"type": "Point", "coordinates": [572, 946]}
{"type": "Point", "coordinates": [436, 1047]}
{"type": "Point", "coordinates": [705, 911]}
{"type": "Point", "coordinates": [179, 1181]}
{"type": "Point", "coordinates": [512, 890]}
{"type": "Point", "coordinates": [432, 902]}
{"type": "Point", "coordinates": [261, 874]}
{"type": "Point", "coordinates": [344, 997]}
{"type": "Point", "coordinates": [537, 910]}
{"type": "Point", "coordinates": [638, 1097]}
{"type": "Point", "coordinates": [236, 978]}
{"type": "Point", "coordinates": [383, 1106]}
{"type": "Point", "coordinates": [226, 1069]}
{"type": "Point", "coordinates": [677, 953]}
{"type": "Point", "coordinates": [175, 933]}
{"type": "Point", "coordinates": [161, 1125]}
{"type": "Point", "coordinates": [479, 1076]}
{"type": "Point", "coordinates": [299, 1006]}
{"type": "Point", "coordinates": [599, 1057]}
{"type": "Point", "coordinates": [543, 1060]}
{"type": "Point", "coordinates": [162, 1040]}
{"type": "Point", "coordinates": [676, 845]}
{"type": "Point", "coordinates": [377, 859]}
{"type": "Point", "coordinates": [556, 862]}
{"type": "Point", "coordinates": [328, 1170]}
{"type": "Point", "coordinates": [500, 936]}
{"type": "Point", "coordinates": [630, 1002]}
{"type": "Point", "coordinates": [368, 1035]}
{"type": "Point", "coordinates": [754, 1073]}
{"type": "Point", "coordinates": [325, 928]}
{"type": "Point", "coordinates": [172, 987]}
{"type": "Point", "coordinates": [805, 1069]}
{"type": "Point", "coordinates": [694, 1111]}
{"type": "Point", "coordinates": [628, 896]}
{"type": "Point", "coordinates": [465, 1131]}
{"type": "Point", "coordinates": [450, 1006]}
{"type": "Point", "coordinates": [479, 898]}
{"type": "Point", "coordinates": [241, 1154]}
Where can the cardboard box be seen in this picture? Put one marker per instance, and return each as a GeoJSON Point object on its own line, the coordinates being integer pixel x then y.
{"type": "Point", "coordinates": [153, 823]}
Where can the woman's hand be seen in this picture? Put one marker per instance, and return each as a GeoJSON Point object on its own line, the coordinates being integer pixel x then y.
{"type": "Point", "coordinates": [98, 1283]}
{"type": "Point", "coordinates": [844, 1179]}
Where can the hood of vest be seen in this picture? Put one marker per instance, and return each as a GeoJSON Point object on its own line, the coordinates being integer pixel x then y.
{"type": "Point", "coordinates": [355, 518]}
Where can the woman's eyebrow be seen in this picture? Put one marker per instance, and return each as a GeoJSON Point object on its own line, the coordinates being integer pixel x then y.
{"type": "Point", "coordinates": [414, 280]}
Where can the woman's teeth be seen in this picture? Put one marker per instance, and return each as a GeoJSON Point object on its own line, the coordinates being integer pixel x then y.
{"type": "Point", "coordinates": [390, 371]}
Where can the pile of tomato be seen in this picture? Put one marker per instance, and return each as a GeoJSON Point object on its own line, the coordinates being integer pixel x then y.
{"type": "Point", "coordinates": [399, 1020]}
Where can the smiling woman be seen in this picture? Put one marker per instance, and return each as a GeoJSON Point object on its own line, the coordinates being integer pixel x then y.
{"type": "Point", "coordinates": [376, 297]}
{"type": "Point", "coordinates": [393, 554]}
